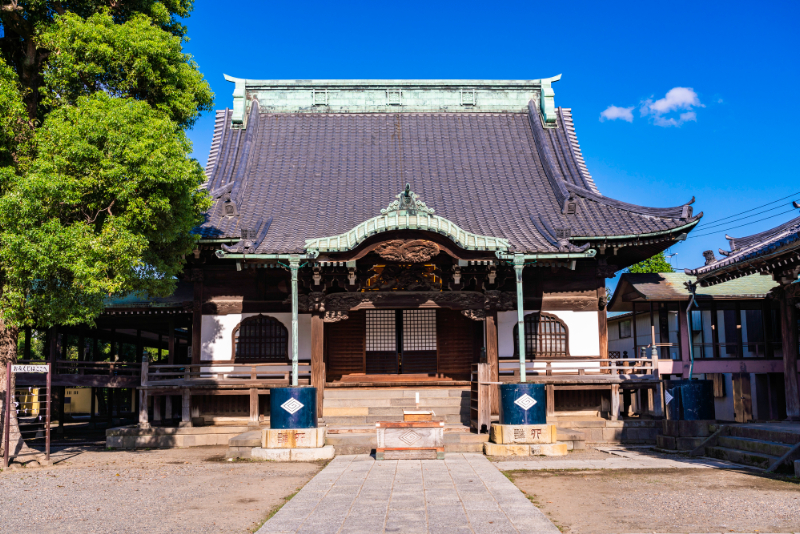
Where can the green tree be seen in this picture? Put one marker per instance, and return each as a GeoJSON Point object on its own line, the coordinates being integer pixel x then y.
{"type": "Point", "coordinates": [653, 264]}
{"type": "Point", "coordinates": [98, 192]}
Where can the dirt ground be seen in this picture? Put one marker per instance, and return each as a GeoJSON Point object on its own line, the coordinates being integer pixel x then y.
{"type": "Point", "coordinates": [160, 491]}
{"type": "Point", "coordinates": [663, 500]}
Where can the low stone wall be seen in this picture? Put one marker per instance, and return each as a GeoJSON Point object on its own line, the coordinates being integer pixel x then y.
{"type": "Point", "coordinates": [132, 437]}
{"type": "Point", "coordinates": [604, 432]}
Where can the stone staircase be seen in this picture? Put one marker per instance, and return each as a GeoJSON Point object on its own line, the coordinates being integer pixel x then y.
{"type": "Point", "coordinates": [755, 444]}
{"type": "Point", "coordinates": [351, 406]}
{"type": "Point", "coordinates": [351, 414]}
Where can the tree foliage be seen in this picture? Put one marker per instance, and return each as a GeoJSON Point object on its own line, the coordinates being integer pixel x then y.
{"type": "Point", "coordinates": [23, 20]}
{"type": "Point", "coordinates": [135, 59]}
{"type": "Point", "coordinates": [98, 192]}
{"type": "Point", "coordinates": [654, 264]}
{"type": "Point", "coordinates": [105, 209]}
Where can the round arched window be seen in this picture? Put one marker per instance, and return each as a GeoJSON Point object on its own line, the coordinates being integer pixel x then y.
{"type": "Point", "coordinates": [260, 339]}
{"type": "Point", "coordinates": [546, 336]}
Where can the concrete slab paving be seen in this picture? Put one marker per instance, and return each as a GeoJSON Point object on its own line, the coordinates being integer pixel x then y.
{"type": "Point", "coordinates": [464, 494]}
{"type": "Point", "coordinates": [622, 458]}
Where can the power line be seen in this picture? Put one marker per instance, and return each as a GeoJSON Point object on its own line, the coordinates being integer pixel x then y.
{"type": "Point", "coordinates": [745, 224]}
{"type": "Point", "coordinates": [708, 227]}
{"type": "Point", "coordinates": [753, 209]}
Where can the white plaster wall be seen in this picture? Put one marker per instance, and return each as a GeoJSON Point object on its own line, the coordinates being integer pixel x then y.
{"type": "Point", "coordinates": [218, 331]}
{"type": "Point", "coordinates": [584, 332]}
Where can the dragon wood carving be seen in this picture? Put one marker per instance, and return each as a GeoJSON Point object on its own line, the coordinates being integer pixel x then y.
{"type": "Point", "coordinates": [407, 250]}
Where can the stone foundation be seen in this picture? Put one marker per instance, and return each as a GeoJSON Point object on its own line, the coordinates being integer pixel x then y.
{"type": "Point", "coordinates": [293, 438]}
{"type": "Point", "coordinates": [683, 435]}
{"type": "Point", "coordinates": [293, 455]}
{"type": "Point", "coordinates": [133, 437]}
{"type": "Point", "coordinates": [544, 449]}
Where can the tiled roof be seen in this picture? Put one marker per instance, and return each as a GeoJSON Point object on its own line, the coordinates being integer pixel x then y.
{"type": "Point", "coordinates": [299, 176]}
{"type": "Point", "coordinates": [672, 286]}
{"type": "Point", "coordinates": [745, 249]}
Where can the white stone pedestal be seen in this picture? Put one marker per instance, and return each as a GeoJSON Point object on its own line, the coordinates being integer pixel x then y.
{"type": "Point", "coordinates": [524, 440]}
{"type": "Point", "coordinates": [293, 445]}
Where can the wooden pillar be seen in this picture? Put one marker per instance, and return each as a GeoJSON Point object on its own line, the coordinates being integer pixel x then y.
{"type": "Point", "coordinates": [627, 402]}
{"type": "Point", "coordinates": [186, 407]}
{"type": "Point", "coordinates": [657, 395]}
{"type": "Point", "coordinates": [144, 422]}
{"type": "Point", "coordinates": [197, 315]}
{"type": "Point", "coordinates": [550, 409]}
{"type": "Point", "coordinates": [253, 407]}
{"type": "Point", "coordinates": [492, 358]}
{"type": "Point", "coordinates": [684, 339]}
{"type": "Point", "coordinates": [614, 402]}
{"type": "Point", "coordinates": [602, 318]}
{"type": "Point", "coordinates": [790, 349]}
{"type": "Point", "coordinates": [156, 408]}
{"type": "Point", "coordinates": [317, 359]}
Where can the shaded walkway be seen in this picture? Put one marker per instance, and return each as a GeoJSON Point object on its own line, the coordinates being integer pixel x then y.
{"type": "Point", "coordinates": [463, 494]}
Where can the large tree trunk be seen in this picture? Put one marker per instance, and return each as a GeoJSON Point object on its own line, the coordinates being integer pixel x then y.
{"type": "Point", "coordinates": [8, 353]}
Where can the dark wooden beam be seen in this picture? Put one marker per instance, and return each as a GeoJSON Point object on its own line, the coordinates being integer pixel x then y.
{"type": "Point", "coordinates": [317, 359]}
{"type": "Point", "coordinates": [197, 315]}
{"type": "Point", "coordinates": [492, 358]}
{"type": "Point", "coordinates": [789, 341]}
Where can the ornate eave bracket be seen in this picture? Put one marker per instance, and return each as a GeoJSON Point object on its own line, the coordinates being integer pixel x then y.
{"type": "Point", "coordinates": [406, 213]}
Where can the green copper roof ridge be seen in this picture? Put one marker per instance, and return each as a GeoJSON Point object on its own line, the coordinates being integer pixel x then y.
{"type": "Point", "coordinates": [391, 82]}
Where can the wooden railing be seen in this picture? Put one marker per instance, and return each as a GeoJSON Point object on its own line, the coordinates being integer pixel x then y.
{"type": "Point", "coordinates": [76, 367]}
{"type": "Point", "coordinates": [219, 373]}
{"type": "Point", "coordinates": [642, 368]}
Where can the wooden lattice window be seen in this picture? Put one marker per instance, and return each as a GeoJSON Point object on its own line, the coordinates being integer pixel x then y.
{"type": "Point", "coordinates": [260, 339]}
{"type": "Point", "coordinates": [546, 336]}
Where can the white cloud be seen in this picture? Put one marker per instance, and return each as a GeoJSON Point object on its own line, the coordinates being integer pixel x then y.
{"type": "Point", "coordinates": [612, 113]}
{"type": "Point", "coordinates": [677, 98]}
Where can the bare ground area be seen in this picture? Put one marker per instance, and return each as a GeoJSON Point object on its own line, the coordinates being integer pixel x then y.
{"type": "Point", "coordinates": [160, 491]}
{"type": "Point", "coordinates": [663, 500]}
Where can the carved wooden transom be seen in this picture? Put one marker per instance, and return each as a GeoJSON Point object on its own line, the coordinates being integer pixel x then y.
{"type": "Point", "coordinates": [407, 250]}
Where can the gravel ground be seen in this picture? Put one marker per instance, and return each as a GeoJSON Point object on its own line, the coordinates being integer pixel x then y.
{"type": "Point", "coordinates": [663, 500]}
{"type": "Point", "coordinates": [159, 491]}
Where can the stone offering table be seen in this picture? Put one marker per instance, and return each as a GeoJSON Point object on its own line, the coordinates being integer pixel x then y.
{"type": "Point", "coordinates": [524, 440]}
{"type": "Point", "coordinates": [407, 440]}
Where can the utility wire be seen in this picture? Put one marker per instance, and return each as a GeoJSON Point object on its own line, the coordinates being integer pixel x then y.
{"type": "Point", "coordinates": [745, 224]}
{"type": "Point", "coordinates": [753, 209]}
{"type": "Point", "coordinates": [723, 223]}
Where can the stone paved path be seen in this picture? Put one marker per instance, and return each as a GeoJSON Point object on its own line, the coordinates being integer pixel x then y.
{"type": "Point", "coordinates": [464, 493]}
{"type": "Point", "coordinates": [622, 458]}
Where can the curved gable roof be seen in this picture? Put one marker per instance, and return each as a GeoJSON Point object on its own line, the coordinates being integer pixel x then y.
{"type": "Point", "coordinates": [289, 177]}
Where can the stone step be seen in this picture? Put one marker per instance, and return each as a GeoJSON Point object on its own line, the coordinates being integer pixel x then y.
{"type": "Point", "coordinates": [361, 429]}
{"type": "Point", "coordinates": [741, 457]}
{"type": "Point", "coordinates": [246, 439]}
{"type": "Point", "coordinates": [391, 393]}
{"type": "Point", "coordinates": [367, 419]}
{"type": "Point", "coordinates": [754, 445]}
{"type": "Point", "coordinates": [439, 411]}
{"type": "Point", "coordinates": [406, 402]}
{"type": "Point", "coordinates": [366, 443]}
{"type": "Point", "coordinates": [764, 434]}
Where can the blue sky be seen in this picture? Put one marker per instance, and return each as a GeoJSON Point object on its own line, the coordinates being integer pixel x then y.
{"type": "Point", "coordinates": [727, 135]}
